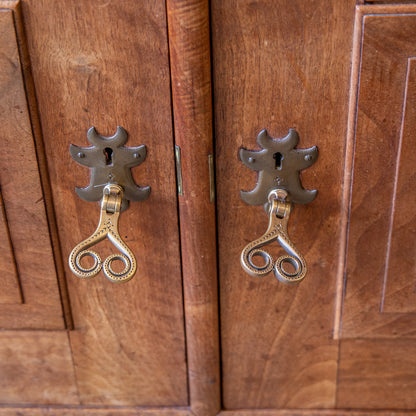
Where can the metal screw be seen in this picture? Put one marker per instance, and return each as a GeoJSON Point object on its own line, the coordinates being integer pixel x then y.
{"type": "Point", "coordinates": [308, 158]}
{"type": "Point", "coordinates": [81, 155]}
{"type": "Point", "coordinates": [251, 160]}
{"type": "Point", "coordinates": [136, 155]}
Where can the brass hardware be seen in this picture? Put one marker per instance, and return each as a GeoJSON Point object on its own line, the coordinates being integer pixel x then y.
{"type": "Point", "coordinates": [178, 169]}
{"type": "Point", "coordinates": [279, 211]}
{"type": "Point", "coordinates": [278, 164]}
{"type": "Point", "coordinates": [278, 186]}
{"type": "Point", "coordinates": [107, 227]}
{"type": "Point", "coordinates": [110, 162]}
{"type": "Point", "coordinates": [111, 181]}
{"type": "Point", "coordinates": [211, 178]}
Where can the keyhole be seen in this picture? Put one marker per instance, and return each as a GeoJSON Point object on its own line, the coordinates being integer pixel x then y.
{"type": "Point", "coordinates": [108, 153]}
{"type": "Point", "coordinates": [278, 157]}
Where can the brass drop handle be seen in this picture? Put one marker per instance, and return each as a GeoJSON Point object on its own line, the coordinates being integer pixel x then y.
{"type": "Point", "coordinates": [279, 211]}
{"type": "Point", "coordinates": [107, 228]}
{"type": "Point", "coordinates": [278, 187]}
{"type": "Point", "coordinates": [112, 183]}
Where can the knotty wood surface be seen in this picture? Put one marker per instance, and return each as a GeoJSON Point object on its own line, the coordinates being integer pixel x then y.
{"type": "Point", "coordinates": [280, 64]}
{"type": "Point", "coordinates": [103, 64]}
{"type": "Point", "coordinates": [23, 199]}
{"type": "Point", "coordinates": [36, 368]}
{"type": "Point", "coordinates": [375, 256]}
{"type": "Point", "coordinates": [189, 45]}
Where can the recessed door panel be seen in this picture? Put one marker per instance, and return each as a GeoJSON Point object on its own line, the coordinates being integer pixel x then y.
{"type": "Point", "coordinates": [277, 65]}
{"type": "Point", "coordinates": [31, 275]}
{"type": "Point", "coordinates": [376, 364]}
{"type": "Point", "coordinates": [103, 64]}
{"type": "Point", "coordinates": [381, 269]}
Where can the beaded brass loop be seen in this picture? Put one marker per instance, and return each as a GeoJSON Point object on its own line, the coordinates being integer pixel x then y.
{"type": "Point", "coordinates": [107, 228]}
{"type": "Point", "coordinates": [279, 211]}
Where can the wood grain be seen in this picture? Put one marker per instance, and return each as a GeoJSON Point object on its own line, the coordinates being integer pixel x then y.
{"type": "Point", "coordinates": [387, 44]}
{"type": "Point", "coordinates": [189, 45]}
{"type": "Point", "coordinates": [23, 198]}
{"type": "Point", "coordinates": [105, 64]}
{"type": "Point", "coordinates": [36, 367]}
{"type": "Point", "coordinates": [348, 161]}
{"type": "Point", "coordinates": [400, 279]}
{"type": "Point", "coordinates": [316, 412]}
{"type": "Point", "coordinates": [32, 105]}
{"type": "Point", "coordinates": [383, 2]}
{"type": "Point", "coordinates": [278, 65]}
{"type": "Point", "coordinates": [9, 283]}
{"type": "Point", "coordinates": [377, 374]}
{"type": "Point", "coordinates": [72, 411]}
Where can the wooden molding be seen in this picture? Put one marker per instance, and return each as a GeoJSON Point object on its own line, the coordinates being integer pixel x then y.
{"type": "Point", "coordinates": [15, 7]}
{"type": "Point", "coordinates": [317, 412]}
{"type": "Point", "coordinates": [189, 46]}
{"type": "Point", "coordinates": [79, 411]}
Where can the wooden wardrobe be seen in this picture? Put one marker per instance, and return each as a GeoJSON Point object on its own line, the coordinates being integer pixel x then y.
{"type": "Point", "coordinates": [192, 334]}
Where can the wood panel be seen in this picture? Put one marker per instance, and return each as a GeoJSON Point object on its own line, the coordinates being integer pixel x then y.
{"type": "Point", "coordinates": [379, 270]}
{"type": "Point", "coordinates": [36, 368]}
{"type": "Point", "coordinates": [400, 279]}
{"type": "Point", "coordinates": [103, 64]}
{"type": "Point", "coordinates": [189, 45]}
{"type": "Point", "coordinates": [305, 412]}
{"type": "Point", "coordinates": [377, 374]}
{"type": "Point", "coordinates": [383, 2]}
{"type": "Point", "coordinates": [9, 283]}
{"type": "Point", "coordinates": [23, 197]}
{"type": "Point", "coordinates": [280, 64]}
{"type": "Point", "coordinates": [72, 411]}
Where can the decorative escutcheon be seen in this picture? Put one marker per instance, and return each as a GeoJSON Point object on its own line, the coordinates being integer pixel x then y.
{"type": "Point", "coordinates": [278, 187]}
{"type": "Point", "coordinates": [111, 182]}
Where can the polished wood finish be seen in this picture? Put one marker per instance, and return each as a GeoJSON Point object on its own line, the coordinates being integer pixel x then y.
{"type": "Point", "coordinates": [379, 283]}
{"type": "Point", "coordinates": [377, 374]}
{"type": "Point", "coordinates": [400, 281]}
{"type": "Point", "coordinates": [273, 61]}
{"type": "Point", "coordinates": [74, 411]}
{"type": "Point", "coordinates": [384, 2]}
{"type": "Point", "coordinates": [36, 368]}
{"type": "Point", "coordinates": [348, 160]}
{"type": "Point", "coordinates": [376, 371]}
{"type": "Point", "coordinates": [103, 64]}
{"type": "Point", "coordinates": [317, 412]}
{"type": "Point", "coordinates": [189, 46]}
{"type": "Point", "coordinates": [280, 64]}
{"type": "Point", "coordinates": [32, 105]}
{"type": "Point", "coordinates": [23, 197]}
{"type": "Point", "coordinates": [9, 284]}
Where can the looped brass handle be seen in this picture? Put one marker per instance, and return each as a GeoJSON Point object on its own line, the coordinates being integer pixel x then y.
{"type": "Point", "coordinates": [111, 182]}
{"type": "Point", "coordinates": [279, 211]}
{"type": "Point", "coordinates": [107, 228]}
{"type": "Point", "coordinates": [278, 164]}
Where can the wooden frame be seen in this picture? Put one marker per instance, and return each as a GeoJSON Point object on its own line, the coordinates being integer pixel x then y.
{"type": "Point", "coordinates": [190, 60]}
